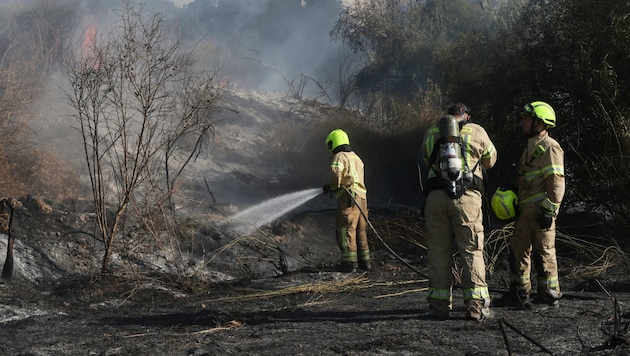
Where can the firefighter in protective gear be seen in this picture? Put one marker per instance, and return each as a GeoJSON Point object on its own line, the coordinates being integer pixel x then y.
{"type": "Point", "coordinates": [541, 187]}
{"type": "Point", "coordinates": [457, 221]}
{"type": "Point", "coordinates": [347, 184]}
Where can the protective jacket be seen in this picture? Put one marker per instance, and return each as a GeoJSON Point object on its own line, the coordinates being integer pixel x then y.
{"type": "Point", "coordinates": [457, 222]}
{"type": "Point", "coordinates": [541, 173]}
{"type": "Point", "coordinates": [347, 171]}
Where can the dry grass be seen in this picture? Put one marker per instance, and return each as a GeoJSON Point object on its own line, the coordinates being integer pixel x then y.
{"type": "Point", "coordinates": [337, 286]}
{"type": "Point", "coordinates": [497, 245]}
{"type": "Point", "coordinates": [598, 255]}
{"type": "Point", "coordinates": [323, 287]}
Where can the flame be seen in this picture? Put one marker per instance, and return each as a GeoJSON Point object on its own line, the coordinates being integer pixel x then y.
{"type": "Point", "coordinates": [89, 41]}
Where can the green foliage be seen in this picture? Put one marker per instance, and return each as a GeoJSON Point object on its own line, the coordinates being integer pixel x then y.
{"type": "Point", "coordinates": [574, 54]}
{"type": "Point", "coordinates": [404, 41]}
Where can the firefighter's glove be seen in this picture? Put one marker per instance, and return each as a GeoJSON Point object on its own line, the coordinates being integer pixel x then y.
{"type": "Point", "coordinates": [327, 188]}
{"type": "Point", "coordinates": [545, 219]}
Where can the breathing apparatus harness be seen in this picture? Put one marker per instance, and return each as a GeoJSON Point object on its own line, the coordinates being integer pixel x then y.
{"type": "Point", "coordinates": [448, 158]}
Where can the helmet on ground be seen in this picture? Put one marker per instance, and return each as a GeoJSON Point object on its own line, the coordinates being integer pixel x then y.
{"type": "Point", "coordinates": [542, 111]}
{"type": "Point", "coordinates": [337, 138]}
{"type": "Point", "coordinates": [504, 203]}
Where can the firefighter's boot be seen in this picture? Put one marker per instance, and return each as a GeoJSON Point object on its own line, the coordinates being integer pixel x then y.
{"type": "Point", "coordinates": [365, 265]}
{"type": "Point", "coordinates": [478, 310]}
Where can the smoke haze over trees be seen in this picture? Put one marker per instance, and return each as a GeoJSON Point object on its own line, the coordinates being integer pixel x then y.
{"type": "Point", "coordinates": [399, 62]}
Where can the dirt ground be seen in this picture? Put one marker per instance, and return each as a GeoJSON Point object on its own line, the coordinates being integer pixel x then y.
{"type": "Point", "coordinates": [311, 311]}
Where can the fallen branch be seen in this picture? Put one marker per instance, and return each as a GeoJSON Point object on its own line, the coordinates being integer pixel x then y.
{"type": "Point", "coordinates": [527, 337]}
{"type": "Point", "coordinates": [401, 293]}
{"type": "Point", "coordinates": [619, 329]}
{"type": "Point", "coordinates": [505, 337]}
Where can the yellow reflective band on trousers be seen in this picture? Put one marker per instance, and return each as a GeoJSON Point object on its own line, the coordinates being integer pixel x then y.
{"type": "Point", "coordinates": [520, 280]}
{"type": "Point", "coordinates": [364, 255]}
{"type": "Point", "coordinates": [476, 293]}
{"type": "Point", "coordinates": [349, 257]}
{"type": "Point", "coordinates": [440, 294]}
{"type": "Point", "coordinates": [550, 283]}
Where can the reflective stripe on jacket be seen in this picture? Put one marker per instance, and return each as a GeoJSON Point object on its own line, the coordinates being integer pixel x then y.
{"type": "Point", "coordinates": [541, 173]}
{"type": "Point", "coordinates": [348, 171]}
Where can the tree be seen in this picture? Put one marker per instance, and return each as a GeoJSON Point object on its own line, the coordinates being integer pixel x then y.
{"type": "Point", "coordinates": [403, 40]}
{"type": "Point", "coordinates": [143, 114]}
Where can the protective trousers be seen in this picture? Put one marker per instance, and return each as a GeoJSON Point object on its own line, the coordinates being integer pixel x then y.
{"type": "Point", "coordinates": [450, 223]}
{"type": "Point", "coordinates": [529, 242]}
{"type": "Point", "coordinates": [351, 230]}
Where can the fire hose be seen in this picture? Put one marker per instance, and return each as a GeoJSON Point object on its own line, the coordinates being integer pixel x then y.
{"type": "Point", "coordinates": [380, 238]}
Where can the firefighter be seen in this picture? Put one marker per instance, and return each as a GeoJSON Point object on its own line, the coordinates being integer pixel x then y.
{"type": "Point", "coordinates": [453, 213]}
{"type": "Point", "coordinates": [347, 185]}
{"type": "Point", "coordinates": [540, 189]}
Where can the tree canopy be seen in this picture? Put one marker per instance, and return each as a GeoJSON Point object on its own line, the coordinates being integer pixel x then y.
{"type": "Point", "coordinates": [496, 57]}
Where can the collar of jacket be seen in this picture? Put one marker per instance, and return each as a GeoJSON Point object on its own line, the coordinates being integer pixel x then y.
{"type": "Point", "coordinates": [344, 148]}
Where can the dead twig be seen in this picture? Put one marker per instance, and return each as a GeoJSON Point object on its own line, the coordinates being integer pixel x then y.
{"type": "Point", "coordinates": [617, 336]}
{"type": "Point", "coordinates": [401, 293]}
{"type": "Point", "coordinates": [527, 337]}
{"type": "Point", "coordinates": [505, 338]}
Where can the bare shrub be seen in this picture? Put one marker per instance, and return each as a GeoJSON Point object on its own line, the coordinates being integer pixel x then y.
{"type": "Point", "coordinates": [143, 115]}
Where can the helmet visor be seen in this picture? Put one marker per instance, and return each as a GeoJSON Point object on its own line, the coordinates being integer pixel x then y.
{"type": "Point", "coordinates": [528, 110]}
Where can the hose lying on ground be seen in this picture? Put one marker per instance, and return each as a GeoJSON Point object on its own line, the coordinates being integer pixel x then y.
{"type": "Point", "coordinates": [380, 238]}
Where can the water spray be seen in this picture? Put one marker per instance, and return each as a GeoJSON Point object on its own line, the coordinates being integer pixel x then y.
{"type": "Point", "coordinates": [258, 215]}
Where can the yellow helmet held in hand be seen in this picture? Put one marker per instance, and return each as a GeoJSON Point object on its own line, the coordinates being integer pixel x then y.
{"type": "Point", "coordinates": [337, 138]}
{"type": "Point", "coordinates": [504, 203]}
{"type": "Point", "coordinates": [542, 111]}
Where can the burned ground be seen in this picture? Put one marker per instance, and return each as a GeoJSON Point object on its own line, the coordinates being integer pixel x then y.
{"type": "Point", "coordinates": [67, 310]}
{"type": "Point", "coordinates": [277, 292]}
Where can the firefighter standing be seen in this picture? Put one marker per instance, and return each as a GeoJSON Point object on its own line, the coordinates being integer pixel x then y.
{"type": "Point", "coordinates": [347, 178]}
{"type": "Point", "coordinates": [453, 214]}
{"type": "Point", "coordinates": [541, 187]}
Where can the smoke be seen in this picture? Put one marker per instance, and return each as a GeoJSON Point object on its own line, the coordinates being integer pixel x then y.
{"type": "Point", "coordinates": [272, 45]}
{"type": "Point", "coordinates": [257, 46]}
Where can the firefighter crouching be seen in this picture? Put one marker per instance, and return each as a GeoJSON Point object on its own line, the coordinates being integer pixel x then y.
{"type": "Point", "coordinates": [540, 189]}
{"type": "Point", "coordinates": [456, 153]}
{"type": "Point", "coordinates": [347, 178]}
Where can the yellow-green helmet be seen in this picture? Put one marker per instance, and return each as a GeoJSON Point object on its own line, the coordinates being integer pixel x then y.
{"type": "Point", "coordinates": [542, 111]}
{"type": "Point", "coordinates": [504, 203]}
{"type": "Point", "coordinates": [337, 138]}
